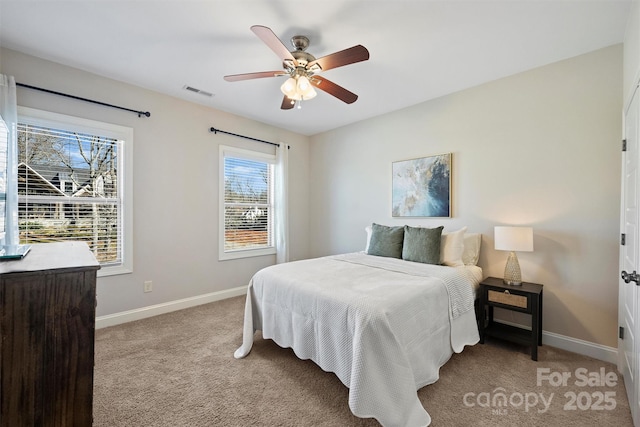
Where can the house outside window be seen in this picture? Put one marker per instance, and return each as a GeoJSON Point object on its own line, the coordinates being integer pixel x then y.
{"type": "Point", "coordinates": [246, 203]}
{"type": "Point", "coordinates": [73, 185]}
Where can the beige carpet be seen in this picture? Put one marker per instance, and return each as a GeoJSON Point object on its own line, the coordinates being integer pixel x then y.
{"type": "Point", "coordinates": [178, 370]}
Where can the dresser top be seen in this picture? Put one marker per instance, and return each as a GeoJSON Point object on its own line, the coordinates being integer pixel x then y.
{"type": "Point", "coordinates": [49, 256]}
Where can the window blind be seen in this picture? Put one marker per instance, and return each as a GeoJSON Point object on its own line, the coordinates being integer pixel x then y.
{"type": "Point", "coordinates": [248, 206]}
{"type": "Point", "coordinates": [69, 189]}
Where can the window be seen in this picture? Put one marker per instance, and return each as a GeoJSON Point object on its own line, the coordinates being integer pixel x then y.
{"type": "Point", "coordinates": [246, 203]}
{"type": "Point", "coordinates": [72, 185]}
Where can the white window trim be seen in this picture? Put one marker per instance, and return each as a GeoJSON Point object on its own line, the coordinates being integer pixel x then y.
{"type": "Point", "coordinates": [240, 253]}
{"type": "Point", "coordinates": [47, 118]}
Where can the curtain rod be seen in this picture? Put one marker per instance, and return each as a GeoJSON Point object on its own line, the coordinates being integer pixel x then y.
{"type": "Point", "coordinates": [214, 130]}
{"type": "Point", "coordinates": [139, 113]}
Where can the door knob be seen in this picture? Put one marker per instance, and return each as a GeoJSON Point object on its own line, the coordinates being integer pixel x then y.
{"type": "Point", "coordinates": [630, 277]}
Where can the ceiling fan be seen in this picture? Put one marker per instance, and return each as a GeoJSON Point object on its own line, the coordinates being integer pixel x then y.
{"type": "Point", "coordinates": [302, 69]}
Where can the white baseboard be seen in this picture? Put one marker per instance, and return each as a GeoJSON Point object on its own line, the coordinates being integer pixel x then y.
{"type": "Point", "coordinates": [585, 348]}
{"type": "Point", "coordinates": [575, 345]}
{"type": "Point", "coordinates": [154, 310]}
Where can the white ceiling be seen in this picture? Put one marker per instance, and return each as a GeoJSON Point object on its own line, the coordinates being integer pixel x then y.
{"type": "Point", "coordinates": [419, 49]}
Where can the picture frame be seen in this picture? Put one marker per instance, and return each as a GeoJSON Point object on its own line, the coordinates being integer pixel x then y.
{"type": "Point", "coordinates": [422, 187]}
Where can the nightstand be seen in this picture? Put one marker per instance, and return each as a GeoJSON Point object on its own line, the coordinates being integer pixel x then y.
{"type": "Point", "coordinates": [525, 298]}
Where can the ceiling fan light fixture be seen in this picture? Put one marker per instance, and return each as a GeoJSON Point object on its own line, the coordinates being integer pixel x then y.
{"type": "Point", "coordinates": [298, 88]}
{"type": "Point", "coordinates": [289, 87]}
{"type": "Point", "coordinates": [309, 95]}
{"type": "Point", "coordinates": [303, 85]}
{"type": "Point", "coordinates": [305, 89]}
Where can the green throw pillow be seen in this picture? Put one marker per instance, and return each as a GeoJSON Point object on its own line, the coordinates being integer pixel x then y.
{"type": "Point", "coordinates": [386, 241]}
{"type": "Point", "coordinates": [422, 244]}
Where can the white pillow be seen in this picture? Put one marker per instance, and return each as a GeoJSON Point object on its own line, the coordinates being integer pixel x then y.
{"type": "Point", "coordinates": [452, 247]}
{"type": "Point", "coordinates": [368, 230]}
{"type": "Point", "coordinates": [471, 252]}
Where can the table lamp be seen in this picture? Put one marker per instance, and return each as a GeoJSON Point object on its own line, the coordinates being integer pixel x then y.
{"type": "Point", "coordinates": [513, 239]}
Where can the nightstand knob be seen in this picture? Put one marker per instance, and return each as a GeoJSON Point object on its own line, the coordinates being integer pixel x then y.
{"type": "Point", "coordinates": [630, 277]}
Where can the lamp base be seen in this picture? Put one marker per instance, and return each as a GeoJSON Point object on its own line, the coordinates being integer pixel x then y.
{"type": "Point", "coordinates": [512, 275]}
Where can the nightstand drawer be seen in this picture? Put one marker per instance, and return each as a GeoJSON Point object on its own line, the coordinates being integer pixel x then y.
{"type": "Point", "coordinates": [508, 298]}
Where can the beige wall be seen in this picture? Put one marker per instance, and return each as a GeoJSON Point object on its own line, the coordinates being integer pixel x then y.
{"type": "Point", "coordinates": [540, 148]}
{"type": "Point", "coordinates": [175, 182]}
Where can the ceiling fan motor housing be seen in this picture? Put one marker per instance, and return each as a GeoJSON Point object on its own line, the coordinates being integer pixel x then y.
{"type": "Point", "coordinates": [300, 43]}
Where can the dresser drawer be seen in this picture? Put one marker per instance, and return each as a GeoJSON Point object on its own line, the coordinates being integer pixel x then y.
{"type": "Point", "coordinates": [507, 298]}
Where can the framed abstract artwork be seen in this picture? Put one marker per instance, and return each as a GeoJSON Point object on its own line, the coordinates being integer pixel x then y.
{"type": "Point", "coordinates": [422, 187]}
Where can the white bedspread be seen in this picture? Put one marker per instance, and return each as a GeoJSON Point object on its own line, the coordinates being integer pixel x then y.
{"type": "Point", "coordinates": [384, 326]}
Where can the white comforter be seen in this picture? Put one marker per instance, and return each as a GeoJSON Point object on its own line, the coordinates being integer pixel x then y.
{"type": "Point", "coordinates": [384, 326]}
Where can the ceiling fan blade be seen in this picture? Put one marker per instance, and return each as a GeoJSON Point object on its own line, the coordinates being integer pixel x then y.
{"type": "Point", "coordinates": [344, 57]}
{"type": "Point", "coordinates": [249, 76]}
{"type": "Point", "coordinates": [334, 89]}
{"type": "Point", "coordinates": [274, 43]}
{"type": "Point", "coordinates": [287, 103]}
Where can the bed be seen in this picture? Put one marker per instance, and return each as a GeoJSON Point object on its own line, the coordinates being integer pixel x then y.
{"type": "Point", "coordinates": [383, 325]}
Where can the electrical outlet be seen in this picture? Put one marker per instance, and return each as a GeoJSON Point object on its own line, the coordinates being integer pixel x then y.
{"type": "Point", "coordinates": [148, 286]}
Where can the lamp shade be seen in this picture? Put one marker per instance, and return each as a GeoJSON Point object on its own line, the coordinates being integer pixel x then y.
{"type": "Point", "coordinates": [289, 88]}
{"type": "Point", "coordinates": [518, 239]}
{"type": "Point", "coordinates": [304, 85]}
{"type": "Point", "coordinates": [298, 88]}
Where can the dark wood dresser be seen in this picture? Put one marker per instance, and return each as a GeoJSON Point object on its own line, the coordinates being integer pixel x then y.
{"type": "Point", "coordinates": [47, 328]}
